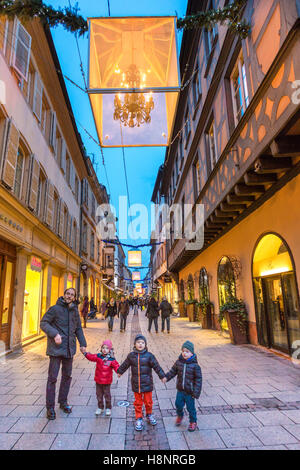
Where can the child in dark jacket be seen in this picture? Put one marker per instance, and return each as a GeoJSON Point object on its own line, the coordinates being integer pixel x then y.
{"type": "Point", "coordinates": [105, 364]}
{"type": "Point", "coordinates": [189, 384]}
{"type": "Point", "coordinates": [142, 362]}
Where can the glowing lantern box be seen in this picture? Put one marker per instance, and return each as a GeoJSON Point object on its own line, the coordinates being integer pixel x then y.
{"type": "Point", "coordinates": [134, 258]}
{"type": "Point", "coordinates": [136, 276]}
{"type": "Point", "coordinates": [133, 80]}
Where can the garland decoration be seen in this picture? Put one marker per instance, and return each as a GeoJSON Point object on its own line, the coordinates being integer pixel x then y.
{"type": "Point", "coordinates": [69, 18]}
{"type": "Point", "coordinates": [231, 15]}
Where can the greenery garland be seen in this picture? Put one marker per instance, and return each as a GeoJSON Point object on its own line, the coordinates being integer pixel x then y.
{"type": "Point", "coordinates": [69, 18]}
{"type": "Point", "coordinates": [231, 15]}
{"type": "Point", "coordinates": [239, 307]}
{"type": "Point", "coordinates": [28, 9]}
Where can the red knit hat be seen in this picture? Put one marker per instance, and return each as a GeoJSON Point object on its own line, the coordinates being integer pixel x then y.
{"type": "Point", "coordinates": [107, 343]}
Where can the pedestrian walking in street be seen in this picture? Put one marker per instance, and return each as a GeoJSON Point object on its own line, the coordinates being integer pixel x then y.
{"type": "Point", "coordinates": [166, 311]}
{"type": "Point", "coordinates": [85, 310]}
{"type": "Point", "coordinates": [135, 306]}
{"type": "Point", "coordinates": [189, 384]}
{"type": "Point", "coordinates": [105, 364]}
{"type": "Point", "coordinates": [123, 311]}
{"type": "Point", "coordinates": [152, 313]}
{"type": "Point", "coordinates": [62, 325]}
{"type": "Point", "coordinates": [93, 309]}
{"type": "Point", "coordinates": [111, 313]}
{"type": "Point", "coordinates": [103, 308]}
{"type": "Point", "coordinates": [142, 362]}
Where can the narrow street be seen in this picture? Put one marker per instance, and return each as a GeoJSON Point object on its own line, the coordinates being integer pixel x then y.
{"type": "Point", "coordinates": [250, 397]}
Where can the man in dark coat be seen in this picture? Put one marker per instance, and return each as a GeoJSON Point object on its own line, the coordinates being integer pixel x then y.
{"type": "Point", "coordinates": [189, 383]}
{"type": "Point", "coordinates": [142, 362]}
{"type": "Point", "coordinates": [166, 310]}
{"type": "Point", "coordinates": [62, 325]}
{"type": "Point", "coordinates": [152, 314]}
{"type": "Point", "coordinates": [123, 311]}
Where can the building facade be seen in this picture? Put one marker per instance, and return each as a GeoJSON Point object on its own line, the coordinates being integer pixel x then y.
{"type": "Point", "coordinates": [42, 164]}
{"type": "Point", "coordinates": [236, 150]}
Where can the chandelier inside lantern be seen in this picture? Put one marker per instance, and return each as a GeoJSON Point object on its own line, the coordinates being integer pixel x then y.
{"type": "Point", "coordinates": [133, 109]}
{"type": "Point", "coordinates": [133, 79]}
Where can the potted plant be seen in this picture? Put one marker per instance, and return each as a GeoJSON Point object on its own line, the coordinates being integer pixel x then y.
{"type": "Point", "coordinates": [191, 309]}
{"type": "Point", "coordinates": [204, 313]}
{"type": "Point", "coordinates": [235, 313]}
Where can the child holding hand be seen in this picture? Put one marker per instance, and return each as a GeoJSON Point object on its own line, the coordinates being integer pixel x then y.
{"type": "Point", "coordinates": [105, 364]}
{"type": "Point", "coordinates": [189, 384]}
{"type": "Point", "coordinates": [142, 362]}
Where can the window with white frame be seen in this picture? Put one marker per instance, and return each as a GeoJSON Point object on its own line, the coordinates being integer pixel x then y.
{"type": "Point", "coordinates": [187, 122]}
{"type": "Point", "coordinates": [210, 34]}
{"type": "Point", "coordinates": [239, 88]}
{"type": "Point", "coordinates": [197, 92]}
{"type": "Point", "coordinates": [211, 144]}
{"type": "Point", "coordinates": [21, 54]}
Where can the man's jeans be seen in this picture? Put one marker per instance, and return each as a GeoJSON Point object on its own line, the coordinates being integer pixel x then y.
{"type": "Point", "coordinates": [155, 324]}
{"type": "Point", "coordinates": [123, 319]}
{"type": "Point", "coordinates": [163, 320]}
{"type": "Point", "coordinates": [65, 383]}
{"type": "Point", "coordinates": [183, 398]}
{"type": "Point", "coordinates": [110, 322]}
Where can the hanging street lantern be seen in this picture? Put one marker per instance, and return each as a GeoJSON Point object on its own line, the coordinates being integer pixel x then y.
{"type": "Point", "coordinates": [133, 79]}
{"type": "Point", "coordinates": [136, 276]}
{"type": "Point", "coordinates": [134, 258]}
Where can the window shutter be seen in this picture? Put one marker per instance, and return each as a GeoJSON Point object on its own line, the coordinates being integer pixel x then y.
{"type": "Point", "coordinates": [21, 55]}
{"type": "Point", "coordinates": [50, 205]}
{"type": "Point", "coordinates": [33, 183]}
{"type": "Point", "coordinates": [61, 218]}
{"type": "Point", "coordinates": [72, 177]}
{"type": "Point", "coordinates": [52, 137]}
{"type": "Point", "coordinates": [38, 96]}
{"type": "Point", "coordinates": [10, 155]}
{"type": "Point", "coordinates": [63, 156]}
{"type": "Point", "coordinates": [70, 239]}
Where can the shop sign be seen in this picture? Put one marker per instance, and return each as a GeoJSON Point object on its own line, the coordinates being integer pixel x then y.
{"type": "Point", "coordinates": [36, 264]}
{"type": "Point", "coordinates": [11, 223]}
{"type": "Point", "coordinates": [167, 279]}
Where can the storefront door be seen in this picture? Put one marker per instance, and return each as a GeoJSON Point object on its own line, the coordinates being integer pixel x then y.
{"type": "Point", "coordinates": [276, 313]}
{"type": "Point", "coordinates": [7, 274]}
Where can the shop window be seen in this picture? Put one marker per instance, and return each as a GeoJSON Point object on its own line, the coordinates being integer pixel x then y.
{"type": "Point", "coordinates": [19, 173]}
{"type": "Point", "coordinates": [190, 288]}
{"type": "Point", "coordinates": [203, 286]}
{"type": "Point", "coordinates": [226, 281]}
{"type": "Point", "coordinates": [276, 295]}
{"type": "Point", "coordinates": [32, 303]}
{"type": "Point", "coordinates": [239, 89]}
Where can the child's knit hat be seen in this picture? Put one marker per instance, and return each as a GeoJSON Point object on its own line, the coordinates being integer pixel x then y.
{"type": "Point", "coordinates": [188, 345]}
{"type": "Point", "coordinates": [140, 336]}
{"type": "Point", "coordinates": [107, 343]}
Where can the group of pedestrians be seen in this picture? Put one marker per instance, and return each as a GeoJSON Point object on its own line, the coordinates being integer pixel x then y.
{"type": "Point", "coordinates": [88, 309]}
{"type": "Point", "coordinates": [152, 313]}
{"type": "Point", "coordinates": [62, 325]}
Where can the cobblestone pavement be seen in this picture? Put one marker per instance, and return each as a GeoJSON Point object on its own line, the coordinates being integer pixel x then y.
{"type": "Point", "coordinates": [250, 397]}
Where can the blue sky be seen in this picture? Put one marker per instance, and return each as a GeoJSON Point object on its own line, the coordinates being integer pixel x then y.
{"type": "Point", "coordinates": [142, 163]}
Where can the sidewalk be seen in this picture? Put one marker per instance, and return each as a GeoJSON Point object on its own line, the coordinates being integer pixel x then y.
{"type": "Point", "coordinates": [250, 397]}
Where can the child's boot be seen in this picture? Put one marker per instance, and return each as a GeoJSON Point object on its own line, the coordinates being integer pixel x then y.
{"type": "Point", "coordinates": [178, 420]}
{"type": "Point", "coordinates": [192, 427]}
{"type": "Point", "coordinates": [151, 420]}
{"type": "Point", "coordinates": [108, 412]}
{"type": "Point", "coordinates": [98, 411]}
{"type": "Point", "coordinates": [139, 424]}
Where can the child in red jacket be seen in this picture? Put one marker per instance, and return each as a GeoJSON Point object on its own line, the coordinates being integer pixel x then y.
{"type": "Point", "coordinates": [105, 363]}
